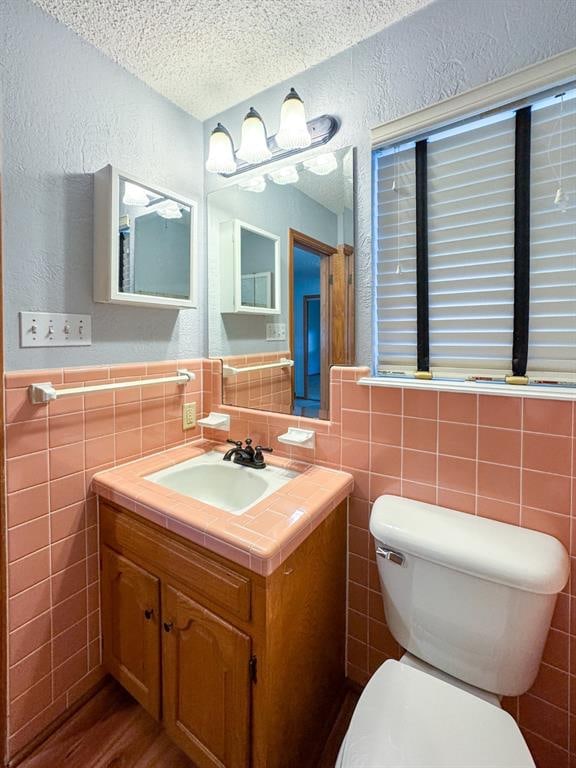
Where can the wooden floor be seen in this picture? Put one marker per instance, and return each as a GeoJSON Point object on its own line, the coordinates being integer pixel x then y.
{"type": "Point", "coordinates": [113, 731]}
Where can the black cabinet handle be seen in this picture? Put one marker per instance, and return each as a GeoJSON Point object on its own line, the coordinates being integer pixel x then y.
{"type": "Point", "coordinates": [148, 613]}
{"type": "Point", "coordinates": [168, 625]}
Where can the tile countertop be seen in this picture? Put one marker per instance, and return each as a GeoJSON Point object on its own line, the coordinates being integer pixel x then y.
{"type": "Point", "coordinates": [261, 538]}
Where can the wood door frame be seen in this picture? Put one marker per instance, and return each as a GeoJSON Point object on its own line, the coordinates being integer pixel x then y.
{"type": "Point", "coordinates": [307, 298]}
{"type": "Point", "coordinates": [295, 239]}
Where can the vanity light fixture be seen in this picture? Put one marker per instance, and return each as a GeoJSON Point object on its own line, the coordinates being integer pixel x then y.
{"type": "Point", "coordinates": [254, 143]}
{"type": "Point", "coordinates": [220, 152]}
{"type": "Point", "coordinates": [293, 133]}
{"type": "Point", "coordinates": [134, 195]}
{"type": "Point", "coordinates": [169, 209]}
{"type": "Point", "coordinates": [255, 184]}
{"type": "Point", "coordinates": [287, 175]}
{"type": "Point", "coordinates": [321, 165]}
{"type": "Point", "coordinates": [256, 148]}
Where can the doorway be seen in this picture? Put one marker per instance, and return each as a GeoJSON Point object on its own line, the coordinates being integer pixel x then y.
{"type": "Point", "coordinates": [306, 331]}
{"type": "Point", "coordinates": [312, 348]}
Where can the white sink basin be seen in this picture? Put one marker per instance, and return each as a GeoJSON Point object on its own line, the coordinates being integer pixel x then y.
{"type": "Point", "coordinates": [220, 483]}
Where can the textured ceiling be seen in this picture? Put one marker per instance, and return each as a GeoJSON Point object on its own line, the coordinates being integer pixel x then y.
{"type": "Point", "coordinates": [207, 55]}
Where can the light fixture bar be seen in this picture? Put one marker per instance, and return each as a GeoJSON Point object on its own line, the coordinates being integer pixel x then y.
{"type": "Point", "coordinates": [322, 129]}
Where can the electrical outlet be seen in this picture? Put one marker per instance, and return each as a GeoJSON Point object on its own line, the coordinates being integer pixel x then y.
{"type": "Point", "coordinates": [188, 415]}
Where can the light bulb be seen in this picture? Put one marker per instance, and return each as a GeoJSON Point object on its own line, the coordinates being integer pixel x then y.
{"type": "Point", "coordinates": [257, 184]}
{"type": "Point", "coordinates": [561, 200]}
{"type": "Point", "coordinates": [134, 195]}
{"type": "Point", "coordinates": [254, 144]}
{"type": "Point", "coordinates": [322, 165]}
{"type": "Point", "coordinates": [169, 209]}
{"type": "Point", "coordinates": [293, 133]}
{"type": "Point", "coordinates": [288, 175]}
{"type": "Point", "coordinates": [220, 152]}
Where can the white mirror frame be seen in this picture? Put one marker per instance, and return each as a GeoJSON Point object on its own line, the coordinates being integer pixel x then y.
{"type": "Point", "coordinates": [246, 308]}
{"type": "Point", "coordinates": [106, 253]}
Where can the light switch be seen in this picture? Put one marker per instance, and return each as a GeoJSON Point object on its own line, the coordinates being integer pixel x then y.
{"type": "Point", "coordinates": [51, 329]}
{"type": "Point", "coordinates": [275, 331]}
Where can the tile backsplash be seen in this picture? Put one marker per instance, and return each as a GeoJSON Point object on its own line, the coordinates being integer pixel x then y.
{"type": "Point", "coordinates": [511, 459]}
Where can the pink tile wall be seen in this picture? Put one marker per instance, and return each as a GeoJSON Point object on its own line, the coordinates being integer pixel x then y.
{"type": "Point", "coordinates": [52, 451]}
{"type": "Point", "coordinates": [265, 389]}
{"type": "Point", "coordinates": [510, 459]}
{"type": "Point", "coordinates": [506, 458]}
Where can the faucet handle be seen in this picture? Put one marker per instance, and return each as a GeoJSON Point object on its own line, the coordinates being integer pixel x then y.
{"type": "Point", "coordinates": [237, 443]}
{"type": "Point", "coordinates": [260, 448]}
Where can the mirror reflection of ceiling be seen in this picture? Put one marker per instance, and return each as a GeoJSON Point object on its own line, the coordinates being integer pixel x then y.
{"type": "Point", "coordinates": [208, 56]}
{"type": "Point", "coordinates": [335, 190]}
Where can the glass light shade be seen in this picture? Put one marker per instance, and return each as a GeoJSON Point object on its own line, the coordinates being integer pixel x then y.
{"type": "Point", "coordinates": [257, 184]}
{"type": "Point", "coordinates": [293, 133]}
{"type": "Point", "coordinates": [169, 210]}
{"type": "Point", "coordinates": [134, 195]}
{"type": "Point", "coordinates": [254, 144]}
{"type": "Point", "coordinates": [220, 152]}
{"type": "Point", "coordinates": [288, 175]}
{"type": "Point", "coordinates": [321, 165]}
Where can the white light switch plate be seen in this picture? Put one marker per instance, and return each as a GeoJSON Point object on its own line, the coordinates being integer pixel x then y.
{"type": "Point", "coordinates": [52, 329]}
{"type": "Point", "coordinates": [275, 331]}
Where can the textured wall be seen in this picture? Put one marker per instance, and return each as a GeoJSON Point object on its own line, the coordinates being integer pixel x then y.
{"type": "Point", "coordinates": [446, 48]}
{"type": "Point", "coordinates": [68, 111]}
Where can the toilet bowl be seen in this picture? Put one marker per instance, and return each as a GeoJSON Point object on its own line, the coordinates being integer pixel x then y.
{"type": "Point", "coordinates": [470, 600]}
{"type": "Point", "coordinates": [407, 718]}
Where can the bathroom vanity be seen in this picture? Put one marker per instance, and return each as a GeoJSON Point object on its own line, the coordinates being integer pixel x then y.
{"type": "Point", "coordinates": [243, 668]}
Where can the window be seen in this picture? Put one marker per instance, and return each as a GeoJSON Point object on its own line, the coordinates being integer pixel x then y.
{"type": "Point", "coordinates": [474, 232]}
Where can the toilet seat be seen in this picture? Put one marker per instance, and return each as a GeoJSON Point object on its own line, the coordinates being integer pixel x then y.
{"type": "Point", "coordinates": [407, 718]}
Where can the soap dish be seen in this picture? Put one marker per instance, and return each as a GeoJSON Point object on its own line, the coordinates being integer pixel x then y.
{"type": "Point", "coordinates": [305, 438]}
{"type": "Point", "coordinates": [216, 421]}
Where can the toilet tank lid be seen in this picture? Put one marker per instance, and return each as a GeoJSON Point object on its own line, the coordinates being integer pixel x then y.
{"type": "Point", "coordinates": [499, 552]}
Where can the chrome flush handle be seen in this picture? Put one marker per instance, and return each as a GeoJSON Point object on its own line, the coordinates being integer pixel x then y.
{"type": "Point", "coordinates": [388, 554]}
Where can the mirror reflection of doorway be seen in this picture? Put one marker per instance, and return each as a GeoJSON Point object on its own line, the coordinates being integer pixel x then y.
{"type": "Point", "coordinates": [321, 302]}
{"type": "Point", "coordinates": [312, 346]}
{"type": "Point", "coordinates": [307, 331]}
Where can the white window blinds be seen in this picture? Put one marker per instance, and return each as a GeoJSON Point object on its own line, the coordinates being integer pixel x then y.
{"type": "Point", "coordinates": [471, 245]}
{"type": "Point", "coordinates": [552, 344]}
{"type": "Point", "coordinates": [471, 172]}
{"type": "Point", "coordinates": [395, 266]}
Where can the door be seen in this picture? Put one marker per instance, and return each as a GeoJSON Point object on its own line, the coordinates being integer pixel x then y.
{"type": "Point", "coordinates": [206, 683]}
{"type": "Point", "coordinates": [130, 623]}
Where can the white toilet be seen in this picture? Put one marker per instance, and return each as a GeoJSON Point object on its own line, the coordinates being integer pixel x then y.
{"type": "Point", "coordinates": [471, 601]}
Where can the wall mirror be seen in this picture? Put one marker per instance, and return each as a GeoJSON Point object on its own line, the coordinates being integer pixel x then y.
{"type": "Point", "coordinates": [144, 243]}
{"type": "Point", "coordinates": [281, 282]}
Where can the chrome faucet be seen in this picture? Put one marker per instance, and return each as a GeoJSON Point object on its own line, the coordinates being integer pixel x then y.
{"type": "Point", "coordinates": [246, 455]}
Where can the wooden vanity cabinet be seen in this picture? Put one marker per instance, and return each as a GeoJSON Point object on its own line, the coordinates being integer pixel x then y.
{"type": "Point", "coordinates": [130, 624]}
{"type": "Point", "coordinates": [244, 671]}
{"type": "Point", "coordinates": [207, 687]}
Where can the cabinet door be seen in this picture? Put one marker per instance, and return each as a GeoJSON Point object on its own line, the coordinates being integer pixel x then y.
{"type": "Point", "coordinates": [131, 628]}
{"type": "Point", "coordinates": [206, 683]}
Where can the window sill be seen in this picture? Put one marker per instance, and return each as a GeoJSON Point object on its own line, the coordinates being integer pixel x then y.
{"type": "Point", "coordinates": [473, 387]}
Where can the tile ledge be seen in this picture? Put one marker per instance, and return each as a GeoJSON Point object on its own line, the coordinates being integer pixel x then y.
{"type": "Point", "coordinates": [473, 387]}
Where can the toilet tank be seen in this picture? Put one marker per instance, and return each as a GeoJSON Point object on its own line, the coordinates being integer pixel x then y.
{"type": "Point", "coordinates": [471, 596]}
